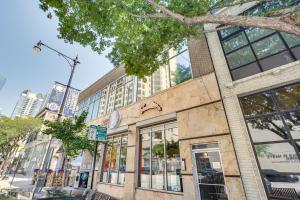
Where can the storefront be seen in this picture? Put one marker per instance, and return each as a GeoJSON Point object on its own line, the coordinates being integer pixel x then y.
{"type": "Point", "coordinates": [172, 144]}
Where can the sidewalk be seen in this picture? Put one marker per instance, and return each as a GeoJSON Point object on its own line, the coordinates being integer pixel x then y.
{"type": "Point", "coordinates": [20, 182]}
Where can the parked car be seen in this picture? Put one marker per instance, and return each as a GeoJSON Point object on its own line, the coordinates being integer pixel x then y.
{"type": "Point", "coordinates": [275, 176]}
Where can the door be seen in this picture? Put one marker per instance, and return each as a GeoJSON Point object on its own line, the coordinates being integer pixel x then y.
{"type": "Point", "coordinates": [208, 173]}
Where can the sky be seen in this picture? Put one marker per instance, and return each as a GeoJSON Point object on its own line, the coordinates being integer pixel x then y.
{"type": "Point", "coordinates": [23, 24]}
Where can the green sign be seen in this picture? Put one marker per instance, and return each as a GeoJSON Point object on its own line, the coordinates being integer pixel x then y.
{"type": "Point", "coordinates": [101, 134]}
{"type": "Point", "coordinates": [98, 133]}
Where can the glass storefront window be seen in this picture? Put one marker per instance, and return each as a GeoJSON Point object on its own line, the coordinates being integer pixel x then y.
{"type": "Point", "coordinates": [288, 97]}
{"type": "Point", "coordinates": [159, 158]}
{"type": "Point", "coordinates": [269, 128]}
{"type": "Point", "coordinates": [292, 120]}
{"type": "Point", "coordinates": [123, 156]}
{"type": "Point", "coordinates": [145, 155]}
{"type": "Point", "coordinates": [173, 159]}
{"type": "Point", "coordinates": [276, 139]}
{"type": "Point", "coordinates": [257, 104]}
{"type": "Point", "coordinates": [114, 165]}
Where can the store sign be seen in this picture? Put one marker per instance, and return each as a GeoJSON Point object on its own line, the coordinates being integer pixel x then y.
{"type": "Point", "coordinates": [83, 179]}
{"type": "Point", "coordinates": [56, 97]}
{"type": "Point", "coordinates": [97, 133]}
{"type": "Point", "coordinates": [114, 120]}
{"type": "Point", "coordinates": [150, 106]}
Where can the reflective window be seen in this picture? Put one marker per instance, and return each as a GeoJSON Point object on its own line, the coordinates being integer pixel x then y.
{"type": "Point", "coordinates": [235, 42]}
{"type": "Point", "coordinates": [159, 158]}
{"type": "Point", "coordinates": [180, 68]}
{"type": "Point", "coordinates": [288, 97]}
{"type": "Point", "coordinates": [261, 103]}
{"type": "Point", "coordinates": [267, 129]}
{"type": "Point", "coordinates": [103, 100]}
{"type": "Point", "coordinates": [173, 159]}
{"type": "Point", "coordinates": [268, 46]}
{"type": "Point", "coordinates": [144, 169]}
{"type": "Point", "coordinates": [128, 89]}
{"type": "Point", "coordinates": [273, 120]}
{"type": "Point", "coordinates": [252, 50]}
{"type": "Point", "coordinates": [257, 33]}
{"type": "Point", "coordinates": [114, 164]}
{"type": "Point", "coordinates": [240, 57]}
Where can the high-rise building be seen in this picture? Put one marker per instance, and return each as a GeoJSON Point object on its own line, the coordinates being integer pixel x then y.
{"type": "Point", "coordinates": [29, 104]}
{"type": "Point", "coordinates": [2, 81]}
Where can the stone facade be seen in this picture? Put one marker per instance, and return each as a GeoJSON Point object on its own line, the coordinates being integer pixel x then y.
{"type": "Point", "coordinates": [200, 117]}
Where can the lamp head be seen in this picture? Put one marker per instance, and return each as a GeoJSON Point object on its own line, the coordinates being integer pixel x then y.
{"type": "Point", "coordinates": [38, 47]}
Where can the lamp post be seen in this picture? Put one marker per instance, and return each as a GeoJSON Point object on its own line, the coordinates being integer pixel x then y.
{"type": "Point", "coordinates": [72, 63]}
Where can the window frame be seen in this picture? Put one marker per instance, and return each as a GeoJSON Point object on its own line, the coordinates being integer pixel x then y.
{"type": "Point", "coordinates": [121, 136]}
{"type": "Point", "coordinates": [281, 113]}
{"type": "Point", "coordinates": [165, 186]}
{"type": "Point", "coordinates": [242, 30]}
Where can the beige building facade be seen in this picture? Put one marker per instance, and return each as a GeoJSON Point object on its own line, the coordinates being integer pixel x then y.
{"type": "Point", "coordinates": [230, 130]}
{"type": "Point", "coordinates": [174, 143]}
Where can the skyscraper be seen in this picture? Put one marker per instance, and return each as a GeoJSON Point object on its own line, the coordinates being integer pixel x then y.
{"type": "Point", "coordinates": [29, 104]}
{"type": "Point", "coordinates": [2, 81]}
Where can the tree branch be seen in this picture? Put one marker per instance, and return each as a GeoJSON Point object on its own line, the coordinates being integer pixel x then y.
{"type": "Point", "coordinates": [286, 11]}
{"type": "Point", "coordinates": [274, 23]}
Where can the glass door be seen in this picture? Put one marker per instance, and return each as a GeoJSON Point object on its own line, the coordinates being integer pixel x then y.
{"type": "Point", "coordinates": [208, 173]}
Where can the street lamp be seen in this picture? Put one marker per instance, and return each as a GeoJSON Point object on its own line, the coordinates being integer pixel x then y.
{"type": "Point", "coordinates": [72, 63]}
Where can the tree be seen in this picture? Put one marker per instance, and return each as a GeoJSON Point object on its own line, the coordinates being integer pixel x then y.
{"type": "Point", "coordinates": [14, 130]}
{"type": "Point", "coordinates": [139, 32]}
{"type": "Point", "coordinates": [72, 132]}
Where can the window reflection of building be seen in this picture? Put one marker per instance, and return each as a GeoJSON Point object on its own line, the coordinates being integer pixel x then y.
{"type": "Point", "coordinates": [273, 120]}
{"type": "Point", "coordinates": [159, 161]}
{"type": "Point", "coordinates": [122, 92]}
{"type": "Point", "coordinates": [250, 51]}
{"type": "Point", "coordinates": [114, 164]}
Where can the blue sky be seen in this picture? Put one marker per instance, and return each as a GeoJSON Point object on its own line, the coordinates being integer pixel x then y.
{"type": "Point", "coordinates": [22, 25]}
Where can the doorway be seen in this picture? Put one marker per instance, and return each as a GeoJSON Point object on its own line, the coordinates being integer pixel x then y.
{"type": "Point", "coordinates": [208, 172]}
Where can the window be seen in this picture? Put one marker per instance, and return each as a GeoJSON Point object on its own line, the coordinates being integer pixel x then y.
{"type": "Point", "coordinates": [114, 164]}
{"type": "Point", "coordinates": [273, 121]}
{"type": "Point", "coordinates": [128, 89]}
{"type": "Point", "coordinates": [178, 70]}
{"type": "Point", "coordinates": [250, 51]}
{"type": "Point", "coordinates": [159, 161]}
